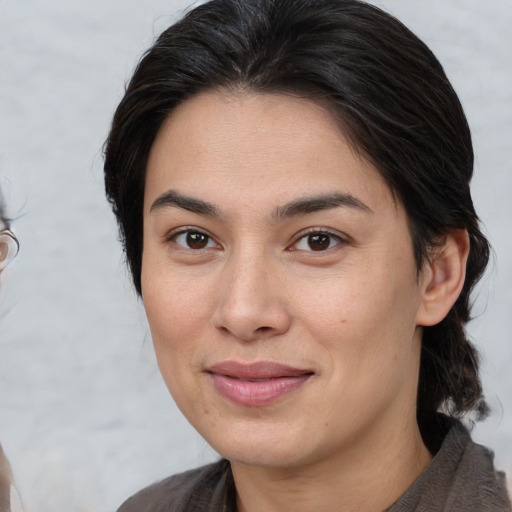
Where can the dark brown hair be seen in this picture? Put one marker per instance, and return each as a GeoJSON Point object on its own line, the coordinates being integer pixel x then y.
{"type": "Point", "coordinates": [4, 221]}
{"type": "Point", "coordinates": [392, 99]}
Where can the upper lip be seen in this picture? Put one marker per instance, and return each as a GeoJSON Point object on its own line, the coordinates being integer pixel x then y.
{"type": "Point", "coordinates": [256, 370]}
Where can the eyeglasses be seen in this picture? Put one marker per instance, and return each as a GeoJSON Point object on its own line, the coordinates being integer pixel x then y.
{"type": "Point", "coordinates": [9, 247]}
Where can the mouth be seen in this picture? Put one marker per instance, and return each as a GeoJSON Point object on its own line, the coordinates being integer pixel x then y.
{"type": "Point", "coordinates": [256, 384]}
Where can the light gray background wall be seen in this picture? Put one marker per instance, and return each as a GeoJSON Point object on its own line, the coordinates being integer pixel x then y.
{"type": "Point", "coordinates": [84, 415]}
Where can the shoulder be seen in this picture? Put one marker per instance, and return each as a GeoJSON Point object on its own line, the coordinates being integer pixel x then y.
{"type": "Point", "coordinates": [461, 476]}
{"type": "Point", "coordinates": [476, 481]}
{"type": "Point", "coordinates": [203, 489]}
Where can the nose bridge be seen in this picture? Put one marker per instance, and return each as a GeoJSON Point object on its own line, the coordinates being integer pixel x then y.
{"type": "Point", "coordinates": [250, 301]}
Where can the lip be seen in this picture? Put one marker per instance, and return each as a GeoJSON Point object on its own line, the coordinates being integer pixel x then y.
{"type": "Point", "coordinates": [256, 384]}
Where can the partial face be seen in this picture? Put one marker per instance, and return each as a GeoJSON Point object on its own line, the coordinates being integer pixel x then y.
{"type": "Point", "coordinates": [8, 246]}
{"type": "Point", "coordinates": [279, 281]}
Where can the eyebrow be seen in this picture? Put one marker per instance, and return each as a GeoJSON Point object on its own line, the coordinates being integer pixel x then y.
{"type": "Point", "coordinates": [171, 198]}
{"type": "Point", "coordinates": [319, 203]}
{"type": "Point", "coordinates": [302, 206]}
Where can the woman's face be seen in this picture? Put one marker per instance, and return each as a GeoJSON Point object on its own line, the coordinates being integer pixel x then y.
{"type": "Point", "coordinates": [279, 281]}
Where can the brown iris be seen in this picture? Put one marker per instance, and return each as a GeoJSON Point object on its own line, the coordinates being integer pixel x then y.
{"type": "Point", "coordinates": [319, 241]}
{"type": "Point", "coordinates": [196, 240]}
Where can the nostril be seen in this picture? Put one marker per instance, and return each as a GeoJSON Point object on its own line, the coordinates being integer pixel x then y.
{"type": "Point", "coordinates": [249, 320]}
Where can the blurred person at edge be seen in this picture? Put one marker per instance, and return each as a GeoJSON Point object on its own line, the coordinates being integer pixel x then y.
{"type": "Point", "coordinates": [291, 181]}
{"type": "Point", "coordinates": [9, 501]}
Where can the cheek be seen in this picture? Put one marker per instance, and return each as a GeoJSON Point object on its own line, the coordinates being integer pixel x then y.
{"type": "Point", "coordinates": [177, 317]}
{"type": "Point", "coordinates": [365, 321]}
{"type": "Point", "coordinates": [368, 344]}
{"type": "Point", "coordinates": [174, 305]}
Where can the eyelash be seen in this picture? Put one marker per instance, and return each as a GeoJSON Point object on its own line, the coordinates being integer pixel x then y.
{"type": "Point", "coordinates": [332, 237]}
{"type": "Point", "coordinates": [312, 232]}
{"type": "Point", "coordinates": [187, 231]}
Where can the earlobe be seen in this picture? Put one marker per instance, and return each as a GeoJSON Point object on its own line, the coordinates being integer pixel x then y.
{"type": "Point", "coordinates": [443, 277]}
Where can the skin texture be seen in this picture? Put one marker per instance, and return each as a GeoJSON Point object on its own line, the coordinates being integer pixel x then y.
{"type": "Point", "coordinates": [249, 288]}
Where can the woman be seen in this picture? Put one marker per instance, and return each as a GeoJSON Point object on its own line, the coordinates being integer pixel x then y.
{"type": "Point", "coordinates": [291, 182]}
{"type": "Point", "coordinates": [8, 249]}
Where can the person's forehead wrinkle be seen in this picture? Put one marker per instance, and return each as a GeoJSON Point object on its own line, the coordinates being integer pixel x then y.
{"type": "Point", "coordinates": [174, 199]}
{"type": "Point", "coordinates": [306, 205]}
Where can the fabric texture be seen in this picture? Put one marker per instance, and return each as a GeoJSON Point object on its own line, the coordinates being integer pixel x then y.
{"type": "Point", "coordinates": [460, 478]}
{"type": "Point", "coordinates": [206, 489]}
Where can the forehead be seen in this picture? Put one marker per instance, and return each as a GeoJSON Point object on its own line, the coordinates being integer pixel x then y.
{"type": "Point", "coordinates": [256, 146]}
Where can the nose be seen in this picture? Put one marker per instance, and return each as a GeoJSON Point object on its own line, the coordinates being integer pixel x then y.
{"type": "Point", "coordinates": [251, 301]}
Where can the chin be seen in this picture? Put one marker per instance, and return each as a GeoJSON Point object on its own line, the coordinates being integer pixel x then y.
{"type": "Point", "coordinates": [257, 445]}
{"type": "Point", "coordinates": [263, 457]}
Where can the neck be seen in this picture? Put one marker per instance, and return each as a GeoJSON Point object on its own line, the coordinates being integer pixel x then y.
{"type": "Point", "coordinates": [367, 477]}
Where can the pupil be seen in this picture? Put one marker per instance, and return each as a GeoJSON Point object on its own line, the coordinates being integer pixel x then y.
{"type": "Point", "coordinates": [318, 242]}
{"type": "Point", "coordinates": [197, 240]}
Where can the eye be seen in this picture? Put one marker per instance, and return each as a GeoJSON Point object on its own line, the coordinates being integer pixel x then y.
{"type": "Point", "coordinates": [317, 241]}
{"type": "Point", "coordinates": [192, 239]}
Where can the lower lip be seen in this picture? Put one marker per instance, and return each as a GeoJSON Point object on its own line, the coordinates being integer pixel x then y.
{"type": "Point", "coordinates": [250, 393]}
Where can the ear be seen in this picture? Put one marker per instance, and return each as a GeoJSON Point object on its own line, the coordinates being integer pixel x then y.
{"type": "Point", "coordinates": [443, 277]}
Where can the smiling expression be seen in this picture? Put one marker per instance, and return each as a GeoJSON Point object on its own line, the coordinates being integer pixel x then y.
{"type": "Point", "coordinates": [279, 281]}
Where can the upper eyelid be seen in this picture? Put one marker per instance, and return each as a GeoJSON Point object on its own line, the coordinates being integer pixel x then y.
{"type": "Point", "coordinates": [324, 231]}
{"type": "Point", "coordinates": [172, 233]}
{"type": "Point", "coordinates": [341, 238]}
